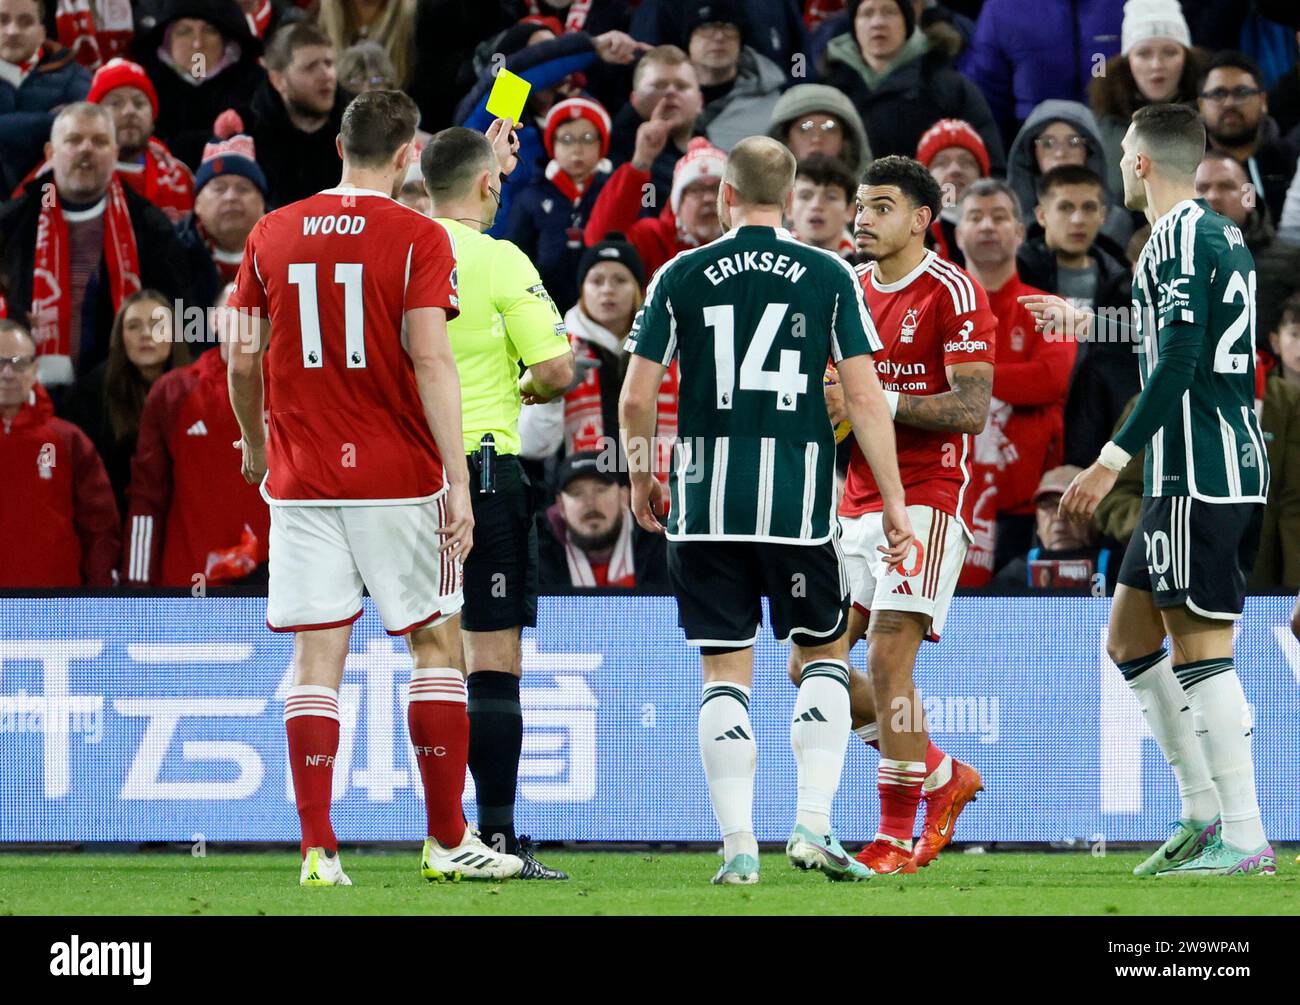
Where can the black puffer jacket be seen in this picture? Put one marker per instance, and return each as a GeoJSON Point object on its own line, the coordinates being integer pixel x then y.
{"type": "Point", "coordinates": [186, 110]}
{"type": "Point", "coordinates": [296, 164]}
{"type": "Point", "coordinates": [912, 98]}
{"type": "Point", "coordinates": [1036, 262]}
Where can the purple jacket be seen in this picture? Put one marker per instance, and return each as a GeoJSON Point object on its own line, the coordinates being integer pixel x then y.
{"type": "Point", "coordinates": [1018, 61]}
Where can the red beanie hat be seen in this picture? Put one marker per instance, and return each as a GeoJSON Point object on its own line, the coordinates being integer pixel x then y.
{"type": "Point", "coordinates": [121, 72]}
{"type": "Point", "coordinates": [952, 133]}
{"type": "Point", "coordinates": [576, 108]}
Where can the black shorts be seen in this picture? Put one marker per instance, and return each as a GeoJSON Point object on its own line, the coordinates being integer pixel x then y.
{"type": "Point", "coordinates": [1194, 554]}
{"type": "Point", "coordinates": [501, 572]}
{"type": "Point", "coordinates": [720, 585]}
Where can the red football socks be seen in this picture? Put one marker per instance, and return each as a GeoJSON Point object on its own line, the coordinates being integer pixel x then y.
{"type": "Point", "coordinates": [311, 720]}
{"type": "Point", "coordinates": [440, 735]}
{"type": "Point", "coordinates": [899, 783]}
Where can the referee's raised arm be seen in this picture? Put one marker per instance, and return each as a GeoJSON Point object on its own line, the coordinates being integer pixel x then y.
{"type": "Point", "coordinates": [507, 324]}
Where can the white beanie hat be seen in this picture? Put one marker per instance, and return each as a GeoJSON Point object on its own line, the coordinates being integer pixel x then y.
{"type": "Point", "coordinates": [1144, 19]}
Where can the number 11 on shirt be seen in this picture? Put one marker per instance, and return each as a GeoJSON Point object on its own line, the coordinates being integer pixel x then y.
{"type": "Point", "coordinates": [349, 276]}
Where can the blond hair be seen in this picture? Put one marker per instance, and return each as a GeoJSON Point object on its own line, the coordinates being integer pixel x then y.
{"type": "Point", "coordinates": [660, 55]}
{"type": "Point", "coordinates": [761, 170]}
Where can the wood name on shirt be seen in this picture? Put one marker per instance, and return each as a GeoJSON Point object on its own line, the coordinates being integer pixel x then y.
{"type": "Point", "coordinates": [324, 225]}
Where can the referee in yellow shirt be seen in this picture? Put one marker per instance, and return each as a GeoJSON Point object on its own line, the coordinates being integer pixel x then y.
{"type": "Point", "coordinates": [507, 323]}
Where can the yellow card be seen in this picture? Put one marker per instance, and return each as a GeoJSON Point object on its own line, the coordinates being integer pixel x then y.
{"type": "Point", "coordinates": [508, 96]}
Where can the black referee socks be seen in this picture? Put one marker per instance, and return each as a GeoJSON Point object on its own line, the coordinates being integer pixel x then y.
{"type": "Point", "coordinates": [496, 735]}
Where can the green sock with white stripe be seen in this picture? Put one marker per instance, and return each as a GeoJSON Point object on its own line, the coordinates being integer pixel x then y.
{"type": "Point", "coordinates": [729, 754]}
{"type": "Point", "coordinates": [1222, 720]}
{"type": "Point", "coordinates": [819, 734]}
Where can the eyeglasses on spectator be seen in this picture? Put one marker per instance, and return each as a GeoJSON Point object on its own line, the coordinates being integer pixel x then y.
{"type": "Point", "coordinates": [1221, 94]}
{"type": "Point", "coordinates": [829, 126]}
{"type": "Point", "coordinates": [1073, 141]}
{"type": "Point", "coordinates": [357, 82]}
{"type": "Point", "coordinates": [19, 364]}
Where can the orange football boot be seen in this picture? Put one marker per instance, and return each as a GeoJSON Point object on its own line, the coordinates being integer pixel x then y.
{"type": "Point", "coordinates": [942, 808]}
{"type": "Point", "coordinates": [886, 859]}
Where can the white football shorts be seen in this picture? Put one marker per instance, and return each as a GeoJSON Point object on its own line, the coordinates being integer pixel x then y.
{"type": "Point", "coordinates": [926, 579]}
{"type": "Point", "coordinates": [323, 557]}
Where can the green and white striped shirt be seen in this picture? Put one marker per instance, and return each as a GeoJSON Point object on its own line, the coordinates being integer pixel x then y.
{"type": "Point", "coordinates": [1196, 277]}
{"type": "Point", "coordinates": [753, 318]}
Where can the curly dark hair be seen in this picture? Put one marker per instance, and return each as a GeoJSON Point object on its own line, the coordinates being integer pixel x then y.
{"type": "Point", "coordinates": [909, 176]}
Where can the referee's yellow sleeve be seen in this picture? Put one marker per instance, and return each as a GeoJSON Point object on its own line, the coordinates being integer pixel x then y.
{"type": "Point", "coordinates": [533, 323]}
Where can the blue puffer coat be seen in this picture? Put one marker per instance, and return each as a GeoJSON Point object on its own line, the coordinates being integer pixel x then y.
{"type": "Point", "coordinates": [25, 115]}
{"type": "Point", "coordinates": [1023, 54]}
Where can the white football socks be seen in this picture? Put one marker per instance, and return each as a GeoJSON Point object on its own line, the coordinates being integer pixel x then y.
{"type": "Point", "coordinates": [1166, 708]}
{"type": "Point", "coordinates": [729, 754]}
{"type": "Point", "coordinates": [819, 733]}
{"type": "Point", "coordinates": [1222, 724]}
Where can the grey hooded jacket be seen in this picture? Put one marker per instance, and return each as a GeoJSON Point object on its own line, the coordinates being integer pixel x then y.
{"type": "Point", "coordinates": [819, 99]}
{"type": "Point", "coordinates": [746, 109]}
{"type": "Point", "coordinates": [1022, 163]}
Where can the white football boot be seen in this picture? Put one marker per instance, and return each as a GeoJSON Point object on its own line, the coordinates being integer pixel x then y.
{"type": "Point", "coordinates": [471, 859]}
{"type": "Point", "coordinates": [320, 868]}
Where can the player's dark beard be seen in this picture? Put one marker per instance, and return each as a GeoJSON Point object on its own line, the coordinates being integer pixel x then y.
{"type": "Point", "coordinates": [597, 542]}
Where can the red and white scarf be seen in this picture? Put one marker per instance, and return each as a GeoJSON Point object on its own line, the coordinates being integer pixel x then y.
{"type": "Point", "coordinates": [619, 571]}
{"type": "Point", "coordinates": [584, 422]}
{"type": "Point", "coordinates": [226, 262]}
{"type": "Point", "coordinates": [570, 189]}
{"type": "Point", "coordinates": [15, 73]}
{"type": "Point", "coordinates": [260, 19]}
{"type": "Point", "coordinates": [51, 313]}
{"type": "Point", "coordinates": [163, 179]}
{"type": "Point", "coordinates": [95, 31]}
{"type": "Point", "coordinates": [575, 20]}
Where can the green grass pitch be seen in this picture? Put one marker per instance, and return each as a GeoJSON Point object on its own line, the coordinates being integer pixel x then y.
{"type": "Point", "coordinates": [621, 883]}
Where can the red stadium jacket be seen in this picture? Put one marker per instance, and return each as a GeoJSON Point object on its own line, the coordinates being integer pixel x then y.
{"type": "Point", "coordinates": [618, 207]}
{"type": "Point", "coordinates": [57, 508]}
{"type": "Point", "coordinates": [187, 498]}
{"type": "Point", "coordinates": [1032, 376]}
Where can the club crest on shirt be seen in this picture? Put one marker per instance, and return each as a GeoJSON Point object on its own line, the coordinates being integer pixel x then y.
{"type": "Point", "coordinates": [1017, 339]}
{"type": "Point", "coordinates": [907, 330]}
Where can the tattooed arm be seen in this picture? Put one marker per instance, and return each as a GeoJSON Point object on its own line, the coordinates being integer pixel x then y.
{"type": "Point", "coordinates": [964, 409]}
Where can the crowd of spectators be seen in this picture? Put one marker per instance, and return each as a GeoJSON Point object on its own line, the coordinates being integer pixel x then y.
{"type": "Point", "coordinates": [140, 143]}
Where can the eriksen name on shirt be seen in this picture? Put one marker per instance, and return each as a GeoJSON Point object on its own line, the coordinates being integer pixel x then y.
{"type": "Point", "coordinates": [750, 261]}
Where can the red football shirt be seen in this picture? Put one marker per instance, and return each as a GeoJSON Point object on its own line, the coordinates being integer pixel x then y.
{"type": "Point", "coordinates": [335, 273]}
{"type": "Point", "coordinates": [932, 318]}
